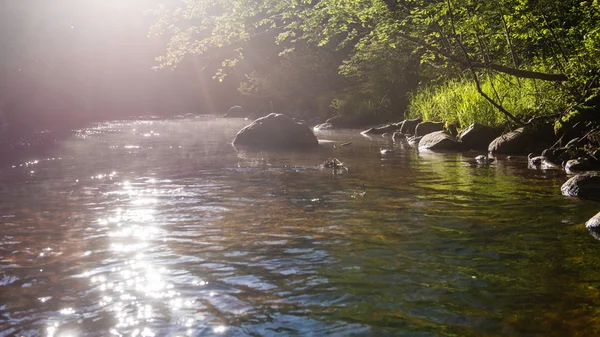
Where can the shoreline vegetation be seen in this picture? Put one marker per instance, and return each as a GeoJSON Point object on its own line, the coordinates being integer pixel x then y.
{"type": "Point", "coordinates": [514, 65]}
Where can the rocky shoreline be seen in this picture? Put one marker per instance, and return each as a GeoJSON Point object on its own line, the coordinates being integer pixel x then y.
{"type": "Point", "coordinates": [544, 149]}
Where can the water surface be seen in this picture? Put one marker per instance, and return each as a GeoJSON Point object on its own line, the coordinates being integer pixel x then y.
{"type": "Point", "coordinates": [163, 228]}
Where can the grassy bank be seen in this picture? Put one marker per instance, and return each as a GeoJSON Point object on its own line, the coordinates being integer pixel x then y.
{"type": "Point", "coordinates": [458, 102]}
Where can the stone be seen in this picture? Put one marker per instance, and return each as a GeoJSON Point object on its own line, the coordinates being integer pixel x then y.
{"type": "Point", "coordinates": [483, 159]}
{"type": "Point", "coordinates": [236, 111]}
{"type": "Point", "coordinates": [514, 142]}
{"type": "Point", "coordinates": [556, 156]}
{"type": "Point", "coordinates": [409, 125]}
{"type": "Point", "coordinates": [581, 165]}
{"type": "Point", "coordinates": [594, 222]}
{"type": "Point", "coordinates": [414, 141]}
{"type": "Point", "coordinates": [541, 162]}
{"type": "Point", "coordinates": [276, 131]}
{"type": "Point", "coordinates": [437, 141]}
{"type": "Point", "coordinates": [424, 128]}
{"type": "Point", "coordinates": [398, 136]}
{"type": "Point", "coordinates": [477, 137]}
{"type": "Point", "coordinates": [382, 130]}
{"type": "Point", "coordinates": [585, 185]}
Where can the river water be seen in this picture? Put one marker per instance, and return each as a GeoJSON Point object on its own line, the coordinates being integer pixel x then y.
{"type": "Point", "coordinates": [163, 228]}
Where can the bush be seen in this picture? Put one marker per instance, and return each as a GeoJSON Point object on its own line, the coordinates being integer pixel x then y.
{"type": "Point", "coordinates": [457, 101]}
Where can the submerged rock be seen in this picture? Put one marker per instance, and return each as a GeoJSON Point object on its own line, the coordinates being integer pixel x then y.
{"type": "Point", "coordinates": [398, 136]}
{"type": "Point", "coordinates": [276, 131]}
{"type": "Point", "coordinates": [425, 128]}
{"type": "Point", "coordinates": [582, 185]}
{"type": "Point", "coordinates": [477, 137]}
{"type": "Point", "coordinates": [541, 162]}
{"type": "Point", "coordinates": [333, 163]}
{"type": "Point", "coordinates": [438, 140]}
{"type": "Point", "coordinates": [483, 159]}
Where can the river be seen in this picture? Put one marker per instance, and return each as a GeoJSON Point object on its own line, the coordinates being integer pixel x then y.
{"type": "Point", "coordinates": [163, 228]}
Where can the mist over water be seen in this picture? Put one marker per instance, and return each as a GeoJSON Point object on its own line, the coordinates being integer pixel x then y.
{"type": "Point", "coordinates": [163, 228]}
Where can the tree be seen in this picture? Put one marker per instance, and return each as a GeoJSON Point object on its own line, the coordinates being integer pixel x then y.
{"type": "Point", "coordinates": [385, 41]}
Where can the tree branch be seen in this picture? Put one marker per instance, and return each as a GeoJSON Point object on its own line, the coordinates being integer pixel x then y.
{"type": "Point", "coordinates": [482, 65]}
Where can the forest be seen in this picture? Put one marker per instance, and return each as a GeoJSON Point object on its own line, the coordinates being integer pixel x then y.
{"type": "Point", "coordinates": [499, 63]}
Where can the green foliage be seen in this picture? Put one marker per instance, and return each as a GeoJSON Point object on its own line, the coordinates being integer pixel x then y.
{"type": "Point", "coordinates": [383, 47]}
{"type": "Point", "coordinates": [303, 74]}
{"type": "Point", "coordinates": [458, 101]}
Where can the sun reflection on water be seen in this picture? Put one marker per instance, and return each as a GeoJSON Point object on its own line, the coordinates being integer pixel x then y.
{"type": "Point", "coordinates": [135, 290]}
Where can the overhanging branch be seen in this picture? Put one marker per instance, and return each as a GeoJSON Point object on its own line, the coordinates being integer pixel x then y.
{"type": "Point", "coordinates": [481, 65]}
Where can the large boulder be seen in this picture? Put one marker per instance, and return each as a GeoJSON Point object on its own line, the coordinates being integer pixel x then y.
{"type": "Point", "coordinates": [581, 165]}
{"type": "Point", "coordinates": [428, 127]}
{"type": "Point", "coordinates": [438, 141]}
{"type": "Point", "coordinates": [409, 125]}
{"type": "Point", "coordinates": [477, 137]}
{"type": "Point", "coordinates": [514, 142]}
{"type": "Point", "coordinates": [585, 185]}
{"type": "Point", "coordinates": [276, 131]}
{"type": "Point", "coordinates": [534, 138]}
{"type": "Point", "coordinates": [236, 111]}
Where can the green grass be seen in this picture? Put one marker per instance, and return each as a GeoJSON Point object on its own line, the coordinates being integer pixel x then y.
{"type": "Point", "coordinates": [458, 102]}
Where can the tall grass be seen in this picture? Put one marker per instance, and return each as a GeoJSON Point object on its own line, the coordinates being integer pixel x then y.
{"type": "Point", "coordinates": [458, 101]}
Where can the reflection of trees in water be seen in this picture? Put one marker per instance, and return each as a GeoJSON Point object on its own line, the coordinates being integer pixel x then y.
{"type": "Point", "coordinates": [513, 223]}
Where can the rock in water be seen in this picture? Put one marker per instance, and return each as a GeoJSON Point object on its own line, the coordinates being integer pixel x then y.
{"type": "Point", "coordinates": [409, 125]}
{"type": "Point", "coordinates": [276, 131]}
{"type": "Point", "coordinates": [483, 159]}
{"type": "Point", "coordinates": [384, 129]}
{"type": "Point", "coordinates": [582, 185]}
{"type": "Point", "coordinates": [594, 222]}
{"type": "Point", "coordinates": [397, 136]}
{"type": "Point", "coordinates": [540, 162]}
{"type": "Point", "coordinates": [514, 142]}
{"type": "Point", "coordinates": [477, 137]}
{"type": "Point", "coordinates": [438, 140]}
{"type": "Point", "coordinates": [428, 127]}
{"type": "Point", "coordinates": [580, 165]}
{"type": "Point", "coordinates": [414, 141]}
